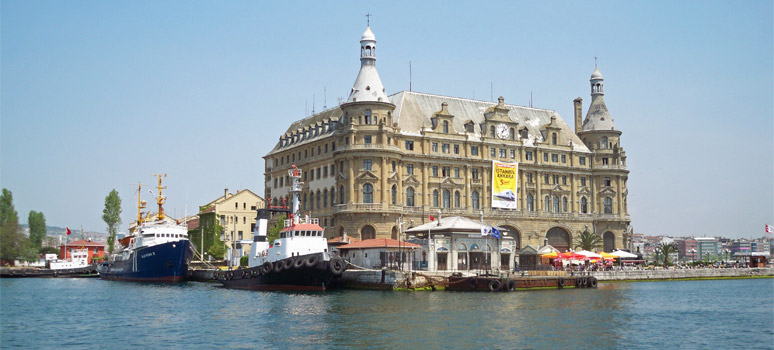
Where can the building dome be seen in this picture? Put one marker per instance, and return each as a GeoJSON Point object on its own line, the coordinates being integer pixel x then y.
{"type": "Point", "coordinates": [368, 35]}
{"type": "Point", "coordinates": [594, 76]}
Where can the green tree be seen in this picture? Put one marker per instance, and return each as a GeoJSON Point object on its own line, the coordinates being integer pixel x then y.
{"type": "Point", "coordinates": [111, 215]}
{"type": "Point", "coordinates": [275, 229]}
{"type": "Point", "coordinates": [664, 249]}
{"type": "Point", "coordinates": [211, 229]}
{"type": "Point", "coordinates": [37, 223]}
{"type": "Point", "coordinates": [12, 241]}
{"type": "Point", "coordinates": [217, 250]}
{"type": "Point", "coordinates": [588, 240]}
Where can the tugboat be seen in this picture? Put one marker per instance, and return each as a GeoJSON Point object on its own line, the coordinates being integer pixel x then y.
{"type": "Point", "coordinates": [156, 251]}
{"type": "Point", "coordinates": [298, 260]}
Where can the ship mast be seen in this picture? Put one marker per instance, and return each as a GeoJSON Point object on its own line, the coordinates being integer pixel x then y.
{"type": "Point", "coordinates": [160, 199]}
{"type": "Point", "coordinates": [140, 203]}
{"type": "Point", "coordinates": [295, 188]}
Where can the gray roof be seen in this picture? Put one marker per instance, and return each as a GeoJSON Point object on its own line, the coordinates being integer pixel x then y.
{"type": "Point", "coordinates": [451, 224]}
{"type": "Point", "coordinates": [598, 117]}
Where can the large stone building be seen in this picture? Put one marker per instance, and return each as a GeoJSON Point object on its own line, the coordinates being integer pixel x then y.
{"type": "Point", "coordinates": [377, 158]}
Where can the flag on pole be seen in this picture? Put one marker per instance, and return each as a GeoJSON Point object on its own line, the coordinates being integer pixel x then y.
{"type": "Point", "coordinates": [769, 229]}
{"type": "Point", "coordinates": [432, 218]}
{"type": "Point", "coordinates": [68, 230]}
{"type": "Point", "coordinates": [485, 230]}
{"type": "Point", "coordinates": [496, 233]}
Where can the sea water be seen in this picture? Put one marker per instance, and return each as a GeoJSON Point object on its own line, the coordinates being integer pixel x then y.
{"type": "Point", "coordinates": [53, 313]}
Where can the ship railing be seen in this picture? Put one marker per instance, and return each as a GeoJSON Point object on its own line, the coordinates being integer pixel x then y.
{"type": "Point", "coordinates": [303, 220]}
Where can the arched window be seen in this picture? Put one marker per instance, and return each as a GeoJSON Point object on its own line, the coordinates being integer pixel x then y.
{"type": "Point", "coordinates": [530, 202]}
{"type": "Point", "coordinates": [604, 142]}
{"type": "Point", "coordinates": [341, 195]}
{"type": "Point", "coordinates": [333, 196]}
{"type": "Point", "coordinates": [318, 200]}
{"type": "Point", "coordinates": [435, 198]}
{"type": "Point", "coordinates": [394, 194]}
{"type": "Point", "coordinates": [311, 200]}
{"type": "Point", "coordinates": [608, 205]}
{"type": "Point", "coordinates": [584, 205]}
{"type": "Point", "coordinates": [446, 199]}
{"type": "Point", "coordinates": [367, 115]}
{"type": "Point", "coordinates": [564, 204]}
{"type": "Point", "coordinates": [368, 193]}
{"type": "Point", "coordinates": [556, 203]}
{"type": "Point", "coordinates": [445, 126]}
{"type": "Point", "coordinates": [367, 232]}
{"type": "Point", "coordinates": [547, 206]}
{"type": "Point", "coordinates": [474, 199]}
{"type": "Point", "coordinates": [456, 199]}
{"type": "Point", "coordinates": [409, 197]}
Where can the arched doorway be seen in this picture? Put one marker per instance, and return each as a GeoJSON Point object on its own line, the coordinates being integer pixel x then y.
{"type": "Point", "coordinates": [513, 232]}
{"type": "Point", "coordinates": [367, 232]}
{"type": "Point", "coordinates": [559, 238]}
{"type": "Point", "coordinates": [394, 232]}
{"type": "Point", "coordinates": [609, 241]}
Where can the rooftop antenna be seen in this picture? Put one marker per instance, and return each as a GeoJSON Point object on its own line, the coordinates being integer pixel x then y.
{"type": "Point", "coordinates": [530, 98]}
{"type": "Point", "coordinates": [491, 92]}
{"type": "Point", "coordinates": [368, 19]}
{"type": "Point", "coordinates": [595, 62]}
{"type": "Point", "coordinates": [312, 104]}
{"type": "Point", "coordinates": [409, 75]}
{"type": "Point", "coordinates": [325, 98]}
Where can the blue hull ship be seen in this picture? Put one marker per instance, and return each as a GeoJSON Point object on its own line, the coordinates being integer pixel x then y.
{"type": "Point", "coordinates": [157, 250]}
{"type": "Point", "coordinates": [165, 263]}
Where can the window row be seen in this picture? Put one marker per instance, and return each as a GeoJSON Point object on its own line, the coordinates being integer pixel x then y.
{"type": "Point", "coordinates": [291, 158]}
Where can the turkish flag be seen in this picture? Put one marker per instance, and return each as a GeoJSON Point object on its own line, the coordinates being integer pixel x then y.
{"type": "Point", "coordinates": [432, 218]}
{"type": "Point", "coordinates": [68, 230]}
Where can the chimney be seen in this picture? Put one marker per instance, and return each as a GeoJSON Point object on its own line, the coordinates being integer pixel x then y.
{"type": "Point", "coordinates": [578, 115]}
{"type": "Point", "coordinates": [225, 192]}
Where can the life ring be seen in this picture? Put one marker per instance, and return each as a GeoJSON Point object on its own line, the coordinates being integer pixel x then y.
{"type": "Point", "coordinates": [473, 283]}
{"type": "Point", "coordinates": [560, 283]}
{"type": "Point", "coordinates": [278, 266]}
{"type": "Point", "coordinates": [337, 265]}
{"type": "Point", "coordinates": [310, 260]}
{"type": "Point", "coordinates": [593, 282]}
{"type": "Point", "coordinates": [266, 268]}
{"type": "Point", "coordinates": [510, 285]}
{"type": "Point", "coordinates": [495, 285]}
{"type": "Point", "coordinates": [287, 264]}
{"type": "Point", "coordinates": [298, 262]}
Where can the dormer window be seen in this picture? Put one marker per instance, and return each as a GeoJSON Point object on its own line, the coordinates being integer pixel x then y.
{"type": "Point", "coordinates": [445, 127]}
{"type": "Point", "coordinates": [553, 138]}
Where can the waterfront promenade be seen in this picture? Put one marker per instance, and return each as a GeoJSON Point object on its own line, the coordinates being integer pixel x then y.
{"type": "Point", "coordinates": [669, 274]}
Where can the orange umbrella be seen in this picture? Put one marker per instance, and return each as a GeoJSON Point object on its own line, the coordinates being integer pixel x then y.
{"type": "Point", "coordinates": [550, 255]}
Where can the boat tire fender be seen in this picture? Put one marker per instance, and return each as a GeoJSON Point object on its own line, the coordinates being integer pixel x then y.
{"type": "Point", "coordinates": [267, 268]}
{"type": "Point", "coordinates": [337, 265]}
{"type": "Point", "coordinates": [287, 264]}
{"type": "Point", "coordinates": [278, 266]}
{"type": "Point", "coordinates": [311, 261]}
{"type": "Point", "coordinates": [246, 274]}
{"type": "Point", "coordinates": [495, 285]}
{"type": "Point", "coordinates": [473, 283]}
{"type": "Point", "coordinates": [593, 282]}
{"type": "Point", "coordinates": [584, 282]}
{"type": "Point", "coordinates": [560, 283]}
{"type": "Point", "coordinates": [215, 275]}
{"type": "Point", "coordinates": [229, 275]}
{"type": "Point", "coordinates": [510, 285]}
{"type": "Point", "coordinates": [257, 271]}
{"type": "Point", "coordinates": [298, 262]}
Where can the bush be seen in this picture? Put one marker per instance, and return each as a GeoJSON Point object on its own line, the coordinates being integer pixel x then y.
{"type": "Point", "coordinates": [243, 261]}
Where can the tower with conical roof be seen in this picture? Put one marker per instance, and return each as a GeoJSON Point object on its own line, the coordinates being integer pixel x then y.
{"type": "Point", "coordinates": [608, 163]}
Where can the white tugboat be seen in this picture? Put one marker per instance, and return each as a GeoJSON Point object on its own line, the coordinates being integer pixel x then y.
{"type": "Point", "coordinates": [298, 260]}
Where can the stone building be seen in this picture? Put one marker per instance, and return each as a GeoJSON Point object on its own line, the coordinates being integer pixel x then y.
{"type": "Point", "coordinates": [236, 213]}
{"type": "Point", "coordinates": [377, 158]}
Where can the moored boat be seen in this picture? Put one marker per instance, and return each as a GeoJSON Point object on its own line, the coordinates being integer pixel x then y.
{"type": "Point", "coordinates": [157, 250]}
{"type": "Point", "coordinates": [298, 260]}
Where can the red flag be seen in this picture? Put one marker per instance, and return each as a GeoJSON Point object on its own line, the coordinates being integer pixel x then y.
{"type": "Point", "coordinates": [432, 218]}
{"type": "Point", "coordinates": [68, 230]}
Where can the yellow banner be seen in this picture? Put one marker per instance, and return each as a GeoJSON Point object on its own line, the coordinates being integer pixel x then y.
{"type": "Point", "coordinates": [504, 180]}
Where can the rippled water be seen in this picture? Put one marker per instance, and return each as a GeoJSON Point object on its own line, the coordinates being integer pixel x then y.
{"type": "Point", "coordinates": [89, 313]}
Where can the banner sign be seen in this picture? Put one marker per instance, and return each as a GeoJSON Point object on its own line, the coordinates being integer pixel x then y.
{"type": "Point", "coordinates": [504, 179]}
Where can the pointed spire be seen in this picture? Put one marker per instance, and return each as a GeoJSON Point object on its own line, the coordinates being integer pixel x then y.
{"type": "Point", "coordinates": [368, 86]}
{"type": "Point", "coordinates": [598, 117]}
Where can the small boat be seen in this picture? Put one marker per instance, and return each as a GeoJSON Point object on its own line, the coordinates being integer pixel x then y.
{"type": "Point", "coordinates": [157, 250]}
{"type": "Point", "coordinates": [298, 260]}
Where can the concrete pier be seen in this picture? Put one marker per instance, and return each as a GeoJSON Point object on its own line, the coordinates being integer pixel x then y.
{"type": "Point", "coordinates": [644, 275]}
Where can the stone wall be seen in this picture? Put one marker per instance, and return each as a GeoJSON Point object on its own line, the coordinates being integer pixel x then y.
{"type": "Point", "coordinates": [675, 274]}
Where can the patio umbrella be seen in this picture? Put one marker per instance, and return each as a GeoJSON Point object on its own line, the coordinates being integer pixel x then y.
{"type": "Point", "coordinates": [550, 255]}
{"type": "Point", "coordinates": [623, 254]}
{"type": "Point", "coordinates": [589, 254]}
{"type": "Point", "coordinates": [607, 256]}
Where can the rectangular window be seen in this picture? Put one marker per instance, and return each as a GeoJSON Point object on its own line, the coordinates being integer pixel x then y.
{"type": "Point", "coordinates": [409, 145]}
{"type": "Point", "coordinates": [445, 148]}
{"type": "Point", "coordinates": [325, 171]}
{"type": "Point", "coordinates": [607, 181]}
{"type": "Point", "coordinates": [446, 171]}
{"type": "Point", "coordinates": [554, 157]}
{"type": "Point", "coordinates": [513, 153]}
{"type": "Point", "coordinates": [529, 178]}
{"type": "Point", "coordinates": [545, 156]}
{"type": "Point", "coordinates": [604, 161]}
{"type": "Point", "coordinates": [456, 149]}
{"type": "Point", "coordinates": [435, 170]}
{"type": "Point", "coordinates": [326, 148]}
{"type": "Point", "coordinates": [582, 160]}
{"type": "Point", "coordinates": [410, 169]}
{"type": "Point", "coordinates": [492, 152]}
{"type": "Point", "coordinates": [393, 165]}
{"type": "Point", "coordinates": [474, 173]}
{"type": "Point", "coordinates": [564, 180]}
{"type": "Point", "coordinates": [367, 139]}
{"type": "Point", "coordinates": [556, 179]}
{"type": "Point", "coordinates": [457, 173]}
{"type": "Point", "coordinates": [503, 152]}
{"type": "Point", "coordinates": [333, 170]}
{"type": "Point", "coordinates": [275, 182]}
{"type": "Point", "coordinates": [583, 181]}
{"type": "Point", "coordinates": [318, 173]}
{"type": "Point", "coordinates": [564, 158]}
{"type": "Point", "coordinates": [367, 164]}
{"type": "Point", "coordinates": [434, 146]}
{"type": "Point", "coordinates": [473, 150]}
{"type": "Point", "coordinates": [528, 155]}
{"type": "Point", "coordinates": [545, 179]}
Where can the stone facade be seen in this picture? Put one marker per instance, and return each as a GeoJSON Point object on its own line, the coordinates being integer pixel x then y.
{"type": "Point", "coordinates": [370, 161]}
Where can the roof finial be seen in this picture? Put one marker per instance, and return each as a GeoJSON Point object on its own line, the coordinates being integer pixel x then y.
{"type": "Point", "coordinates": [368, 18]}
{"type": "Point", "coordinates": [595, 62]}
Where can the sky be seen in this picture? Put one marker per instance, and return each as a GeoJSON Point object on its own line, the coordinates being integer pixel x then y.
{"type": "Point", "coordinates": [99, 95]}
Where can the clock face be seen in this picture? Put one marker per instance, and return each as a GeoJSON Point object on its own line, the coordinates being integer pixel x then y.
{"type": "Point", "coordinates": [502, 131]}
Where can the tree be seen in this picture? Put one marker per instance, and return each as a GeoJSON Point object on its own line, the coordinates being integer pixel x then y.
{"type": "Point", "coordinates": [12, 241]}
{"type": "Point", "coordinates": [275, 229]}
{"type": "Point", "coordinates": [111, 215]}
{"type": "Point", "coordinates": [37, 223]}
{"type": "Point", "coordinates": [664, 249]}
{"type": "Point", "coordinates": [589, 240]}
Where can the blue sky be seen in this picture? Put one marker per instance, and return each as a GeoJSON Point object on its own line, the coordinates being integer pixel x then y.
{"type": "Point", "coordinates": [96, 95]}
